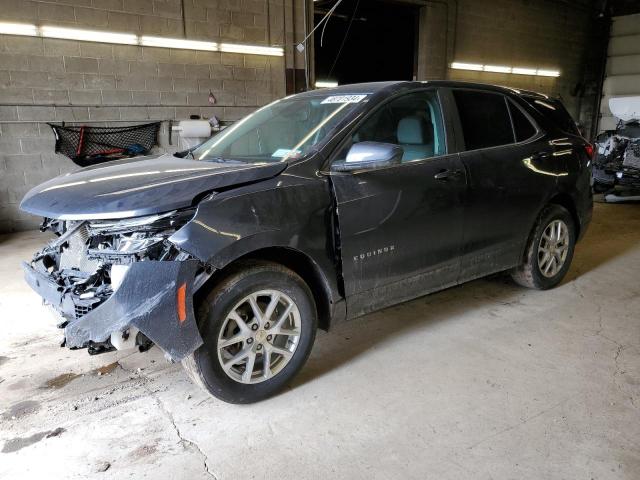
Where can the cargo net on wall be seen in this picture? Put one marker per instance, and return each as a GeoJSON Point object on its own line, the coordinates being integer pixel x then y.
{"type": "Point", "coordinates": [91, 145]}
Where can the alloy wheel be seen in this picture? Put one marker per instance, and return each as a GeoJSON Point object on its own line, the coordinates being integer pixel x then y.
{"type": "Point", "coordinates": [259, 336]}
{"type": "Point", "coordinates": [553, 248]}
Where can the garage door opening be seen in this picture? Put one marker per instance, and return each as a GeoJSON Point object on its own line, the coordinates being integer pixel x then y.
{"type": "Point", "coordinates": [365, 41]}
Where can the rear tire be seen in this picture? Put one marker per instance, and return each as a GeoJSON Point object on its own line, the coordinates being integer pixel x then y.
{"type": "Point", "coordinates": [248, 356]}
{"type": "Point", "coordinates": [549, 250]}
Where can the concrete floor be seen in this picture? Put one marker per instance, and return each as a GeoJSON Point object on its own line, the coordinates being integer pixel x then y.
{"type": "Point", "coordinates": [481, 381]}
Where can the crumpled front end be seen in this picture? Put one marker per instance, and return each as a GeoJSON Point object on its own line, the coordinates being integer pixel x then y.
{"type": "Point", "coordinates": [120, 284]}
{"type": "Point", "coordinates": [616, 167]}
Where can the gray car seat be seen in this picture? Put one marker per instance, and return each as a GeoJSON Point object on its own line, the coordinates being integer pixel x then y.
{"type": "Point", "coordinates": [415, 136]}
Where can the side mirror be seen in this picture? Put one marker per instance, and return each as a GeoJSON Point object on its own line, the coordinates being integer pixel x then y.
{"type": "Point", "coordinates": [369, 156]}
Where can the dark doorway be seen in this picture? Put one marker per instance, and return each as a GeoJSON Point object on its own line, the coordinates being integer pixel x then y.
{"type": "Point", "coordinates": [380, 42]}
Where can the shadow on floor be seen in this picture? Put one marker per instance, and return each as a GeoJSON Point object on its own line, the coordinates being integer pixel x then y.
{"type": "Point", "coordinates": [614, 230]}
{"type": "Point", "coordinates": [345, 341]}
{"type": "Point", "coordinates": [611, 234]}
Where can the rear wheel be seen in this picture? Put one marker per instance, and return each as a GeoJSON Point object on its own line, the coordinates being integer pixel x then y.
{"type": "Point", "coordinates": [549, 251]}
{"type": "Point", "coordinates": [258, 326]}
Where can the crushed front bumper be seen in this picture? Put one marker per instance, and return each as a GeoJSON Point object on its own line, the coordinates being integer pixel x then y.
{"type": "Point", "coordinates": [155, 297]}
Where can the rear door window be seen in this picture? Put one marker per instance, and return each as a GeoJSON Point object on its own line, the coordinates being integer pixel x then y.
{"type": "Point", "coordinates": [522, 127]}
{"type": "Point", "coordinates": [485, 119]}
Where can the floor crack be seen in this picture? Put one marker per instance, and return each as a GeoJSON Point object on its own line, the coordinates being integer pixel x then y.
{"type": "Point", "coordinates": [185, 442]}
{"type": "Point", "coordinates": [519, 424]}
{"type": "Point", "coordinates": [619, 348]}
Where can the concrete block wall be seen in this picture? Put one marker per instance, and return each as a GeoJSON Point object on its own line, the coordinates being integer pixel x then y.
{"type": "Point", "coordinates": [49, 80]}
{"type": "Point", "coordinates": [540, 34]}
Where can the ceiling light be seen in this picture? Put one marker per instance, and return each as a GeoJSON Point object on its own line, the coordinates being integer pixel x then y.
{"type": "Point", "coordinates": [326, 84]}
{"type": "Point", "coordinates": [251, 49]}
{"type": "Point", "coordinates": [89, 35]}
{"type": "Point", "coordinates": [466, 66]}
{"type": "Point", "coordinates": [18, 29]}
{"type": "Point", "coordinates": [178, 43]}
{"type": "Point", "coordinates": [548, 73]}
{"type": "Point", "coordinates": [497, 69]}
{"type": "Point", "coordinates": [524, 71]}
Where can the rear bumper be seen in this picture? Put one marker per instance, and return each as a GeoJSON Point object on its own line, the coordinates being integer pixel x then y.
{"type": "Point", "coordinates": [147, 299]}
{"type": "Point", "coordinates": [582, 197]}
{"type": "Point", "coordinates": [585, 218]}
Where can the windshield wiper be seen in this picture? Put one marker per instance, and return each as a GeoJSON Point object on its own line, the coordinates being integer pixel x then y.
{"type": "Point", "coordinates": [222, 160]}
{"type": "Point", "coordinates": [185, 153]}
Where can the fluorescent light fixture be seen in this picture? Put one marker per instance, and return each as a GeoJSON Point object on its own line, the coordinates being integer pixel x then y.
{"type": "Point", "coordinates": [251, 49]}
{"type": "Point", "coordinates": [548, 73]}
{"type": "Point", "coordinates": [64, 33]}
{"type": "Point", "coordinates": [523, 71]}
{"type": "Point", "coordinates": [178, 43]}
{"type": "Point", "coordinates": [18, 29]}
{"type": "Point", "coordinates": [326, 84]}
{"type": "Point", "coordinates": [497, 69]}
{"type": "Point", "coordinates": [466, 66]}
{"type": "Point", "coordinates": [505, 69]}
{"type": "Point", "coordinates": [88, 35]}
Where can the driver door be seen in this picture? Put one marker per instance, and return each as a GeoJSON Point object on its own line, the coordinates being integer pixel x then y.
{"type": "Point", "coordinates": [401, 227]}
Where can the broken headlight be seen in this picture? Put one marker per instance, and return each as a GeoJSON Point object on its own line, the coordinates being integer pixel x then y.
{"type": "Point", "coordinates": [133, 239]}
{"type": "Point", "coordinates": [170, 221]}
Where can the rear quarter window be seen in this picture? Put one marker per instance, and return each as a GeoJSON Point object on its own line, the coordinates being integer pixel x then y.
{"type": "Point", "coordinates": [485, 119]}
{"type": "Point", "coordinates": [554, 111]}
{"type": "Point", "coordinates": [522, 126]}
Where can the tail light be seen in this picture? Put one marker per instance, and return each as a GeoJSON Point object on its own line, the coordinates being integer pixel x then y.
{"type": "Point", "coordinates": [588, 148]}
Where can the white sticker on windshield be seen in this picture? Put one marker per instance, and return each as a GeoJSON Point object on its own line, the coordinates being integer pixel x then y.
{"type": "Point", "coordinates": [285, 152]}
{"type": "Point", "coordinates": [344, 99]}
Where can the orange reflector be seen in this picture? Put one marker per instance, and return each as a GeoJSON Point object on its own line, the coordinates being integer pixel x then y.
{"type": "Point", "coordinates": [182, 303]}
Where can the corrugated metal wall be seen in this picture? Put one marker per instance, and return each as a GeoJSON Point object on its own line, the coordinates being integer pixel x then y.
{"type": "Point", "coordinates": [623, 65]}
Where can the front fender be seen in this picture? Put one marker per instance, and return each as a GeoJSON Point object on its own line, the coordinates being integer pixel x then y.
{"type": "Point", "coordinates": [285, 212]}
{"type": "Point", "coordinates": [290, 211]}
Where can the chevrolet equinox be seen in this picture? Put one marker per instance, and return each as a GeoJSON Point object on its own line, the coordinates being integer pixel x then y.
{"type": "Point", "coordinates": [316, 208]}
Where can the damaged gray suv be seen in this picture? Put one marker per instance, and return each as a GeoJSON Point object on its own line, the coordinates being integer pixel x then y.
{"type": "Point", "coordinates": [318, 207]}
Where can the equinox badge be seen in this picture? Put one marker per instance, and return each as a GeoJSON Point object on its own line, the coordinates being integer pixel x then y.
{"type": "Point", "coordinates": [374, 253]}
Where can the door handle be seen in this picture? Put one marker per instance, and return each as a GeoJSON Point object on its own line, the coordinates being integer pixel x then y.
{"type": "Point", "coordinates": [539, 156]}
{"type": "Point", "coordinates": [446, 174]}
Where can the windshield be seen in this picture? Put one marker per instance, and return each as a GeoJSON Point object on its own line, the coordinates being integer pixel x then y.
{"type": "Point", "coordinates": [283, 130]}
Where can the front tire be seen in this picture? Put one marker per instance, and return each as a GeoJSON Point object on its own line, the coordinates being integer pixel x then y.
{"type": "Point", "coordinates": [549, 250]}
{"type": "Point", "coordinates": [258, 326]}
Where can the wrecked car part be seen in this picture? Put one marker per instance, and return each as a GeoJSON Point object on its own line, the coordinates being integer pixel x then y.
{"type": "Point", "coordinates": [149, 299]}
{"type": "Point", "coordinates": [617, 165]}
{"type": "Point", "coordinates": [117, 274]}
{"type": "Point", "coordinates": [631, 157]}
{"type": "Point", "coordinates": [616, 169]}
{"type": "Point", "coordinates": [124, 340]}
{"type": "Point", "coordinates": [86, 266]}
{"type": "Point", "coordinates": [132, 188]}
{"type": "Point", "coordinates": [625, 108]}
{"type": "Point", "coordinates": [613, 198]}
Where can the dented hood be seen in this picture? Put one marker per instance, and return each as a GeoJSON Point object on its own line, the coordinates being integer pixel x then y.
{"type": "Point", "coordinates": [131, 188]}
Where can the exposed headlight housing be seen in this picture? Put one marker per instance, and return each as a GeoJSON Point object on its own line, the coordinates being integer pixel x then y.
{"type": "Point", "coordinates": [169, 221]}
{"type": "Point", "coordinates": [116, 241]}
